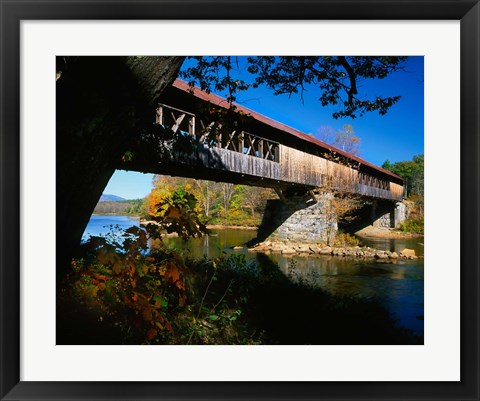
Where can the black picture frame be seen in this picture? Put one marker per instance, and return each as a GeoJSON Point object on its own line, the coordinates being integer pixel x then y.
{"type": "Point", "coordinates": [12, 12]}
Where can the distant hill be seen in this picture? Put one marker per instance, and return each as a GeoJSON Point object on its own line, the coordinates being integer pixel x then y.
{"type": "Point", "coordinates": [111, 198]}
{"type": "Point", "coordinates": [117, 206]}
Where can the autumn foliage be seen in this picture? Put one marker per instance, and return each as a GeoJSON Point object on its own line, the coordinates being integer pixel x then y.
{"type": "Point", "coordinates": [123, 282]}
{"type": "Point", "coordinates": [175, 212]}
{"type": "Point", "coordinates": [132, 286]}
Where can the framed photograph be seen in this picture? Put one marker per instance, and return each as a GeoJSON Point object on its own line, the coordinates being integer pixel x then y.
{"type": "Point", "coordinates": [211, 200]}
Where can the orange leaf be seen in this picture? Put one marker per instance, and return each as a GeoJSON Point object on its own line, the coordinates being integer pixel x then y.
{"type": "Point", "coordinates": [173, 273]}
{"type": "Point", "coordinates": [151, 334]}
{"type": "Point", "coordinates": [147, 315]}
{"type": "Point", "coordinates": [168, 326]}
{"type": "Point", "coordinates": [173, 213]}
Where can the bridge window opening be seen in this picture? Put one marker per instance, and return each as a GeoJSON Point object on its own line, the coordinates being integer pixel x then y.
{"type": "Point", "coordinates": [187, 124]}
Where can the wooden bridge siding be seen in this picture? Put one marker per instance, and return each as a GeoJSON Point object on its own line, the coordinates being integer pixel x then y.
{"type": "Point", "coordinates": [295, 167]}
{"type": "Point", "coordinates": [228, 160]}
{"type": "Point", "coordinates": [396, 190]}
{"type": "Point", "coordinates": [299, 167]}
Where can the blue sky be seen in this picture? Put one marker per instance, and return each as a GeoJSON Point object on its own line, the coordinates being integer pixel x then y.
{"type": "Point", "coordinates": [396, 136]}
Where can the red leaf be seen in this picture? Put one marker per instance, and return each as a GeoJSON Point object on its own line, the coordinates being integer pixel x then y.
{"type": "Point", "coordinates": [151, 334]}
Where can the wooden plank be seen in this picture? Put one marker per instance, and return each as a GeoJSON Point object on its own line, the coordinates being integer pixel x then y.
{"type": "Point", "coordinates": [178, 121]}
{"type": "Point", "coordinates": [159, 115]}
{"type": "Point", "coordinates": [241, 142]}
{"type": "Point", "coordinates": [191, 126]}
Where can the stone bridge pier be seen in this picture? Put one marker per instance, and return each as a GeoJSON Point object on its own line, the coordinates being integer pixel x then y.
{"type": "Point", "coordinates": [299, 218]}
{"type": "Point", "coordinates": [309, 218]}
{"type": "Point", "coordinates": [387, 214]}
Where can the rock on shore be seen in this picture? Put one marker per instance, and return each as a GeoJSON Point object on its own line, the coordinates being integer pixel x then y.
{"type": "Point", "coordinates": [356, 251]}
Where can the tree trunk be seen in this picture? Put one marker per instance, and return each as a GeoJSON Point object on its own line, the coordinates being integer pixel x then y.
{"type": "Point", "coordinates": [102, 104]}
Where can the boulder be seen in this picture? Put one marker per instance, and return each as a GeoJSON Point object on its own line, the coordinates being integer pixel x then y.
{"type": "Point", "coordinates": [325, 251]}
{"type": "Point", "coordinates": [350, 252]}
{"type": "Point", "coordinates": [337, 251]}
{"type": "Point", "coordinates": [381, 255]}
{"type": "Point", "coordinates": [393, 255]}
{"type": "Point", "coordinates": [408, 252]}
{"type": "Point", "coordinates": [315, 249]}
{"type": "Point", "coordinates": [303, 249]}
{"type": "Point", "coordinates": [256, 249]}
{"type": "Point", "coordinates": [288, 251]}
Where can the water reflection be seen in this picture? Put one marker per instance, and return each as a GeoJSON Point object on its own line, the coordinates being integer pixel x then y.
{"type": "Point", "coordinates": [396, 245]}
{"type": "Point", "coordinates": [396, 284]}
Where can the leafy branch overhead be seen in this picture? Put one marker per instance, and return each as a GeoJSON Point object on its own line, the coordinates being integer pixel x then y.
{"type": "Point", "coordinates": [336, 77]}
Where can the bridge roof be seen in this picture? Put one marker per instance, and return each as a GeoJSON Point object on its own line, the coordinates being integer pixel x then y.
{"type": "Point", "coordinates": [222, 102]}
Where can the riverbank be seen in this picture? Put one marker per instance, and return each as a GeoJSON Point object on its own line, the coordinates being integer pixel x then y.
{"type": "Point", "coordinates": [133, 217]}
{"type": "Point", "coordinates": [209, 226]}
{"type": "Point", "coordinates": [377, 232]}
{"type": "Point", "coordinates": [225, 227]}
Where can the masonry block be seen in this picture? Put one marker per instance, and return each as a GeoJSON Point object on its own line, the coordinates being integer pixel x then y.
{"type": "Point", "coordinates": [300, 219]}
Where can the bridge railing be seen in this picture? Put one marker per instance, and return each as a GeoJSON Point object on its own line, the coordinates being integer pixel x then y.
{"type": "Point", "coordinates": [249, 144]}
{"type": "Point", "coordinates": [175, 119]}
{"type": "Point", "coordinates": [237, 141]}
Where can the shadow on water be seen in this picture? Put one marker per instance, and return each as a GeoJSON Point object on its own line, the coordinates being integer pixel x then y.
{"type": "Point", "coordinates": [294, 312]}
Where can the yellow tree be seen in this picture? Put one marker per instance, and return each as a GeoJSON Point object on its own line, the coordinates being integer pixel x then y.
{"type": "Point", "coordinates": [346, 140]}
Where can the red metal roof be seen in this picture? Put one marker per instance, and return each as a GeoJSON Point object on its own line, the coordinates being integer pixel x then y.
{"type": "Point", "coordinates": [220, 101]}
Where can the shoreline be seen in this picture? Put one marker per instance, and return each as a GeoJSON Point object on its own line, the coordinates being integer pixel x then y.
{"type": "Point", "coordinates": [227, 226]}
{"type": "Point", "coordinates": [209, 226]}
{"type": "Point", "coordinates": [364, 252]}
{"type": "Point", "coordinates": [368, 232]}
{"type": "Point", "coordinates": [116, 214]}
{"type": "Point", "coordinates": [374, 232]}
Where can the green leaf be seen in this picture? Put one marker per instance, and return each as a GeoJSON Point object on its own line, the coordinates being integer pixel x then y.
{"type": "Point", "coordinates": [213, 317]}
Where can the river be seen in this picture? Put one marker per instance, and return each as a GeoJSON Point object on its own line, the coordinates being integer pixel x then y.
{"type": "Point", "coordinates": [398, 286]}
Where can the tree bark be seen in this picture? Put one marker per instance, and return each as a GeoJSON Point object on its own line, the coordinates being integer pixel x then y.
{"type": "Point", "coordinates": [102, 104]}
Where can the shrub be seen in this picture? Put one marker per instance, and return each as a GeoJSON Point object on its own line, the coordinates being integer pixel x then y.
{"type": "Point", "coordinates": [413, 226]}
{"type": "Point", "coordinates": [345, 239]}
